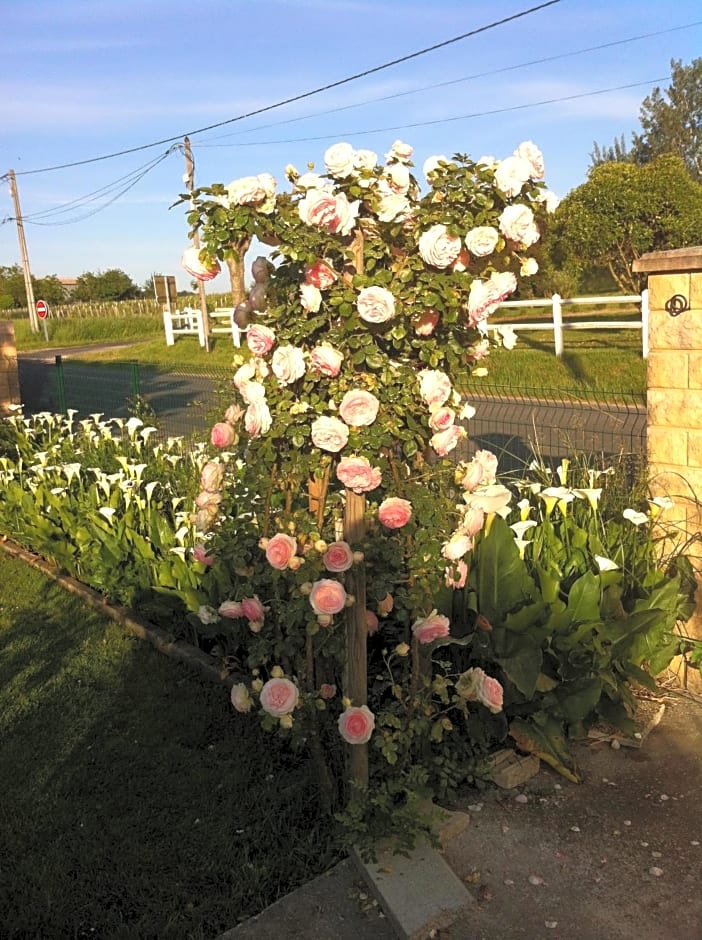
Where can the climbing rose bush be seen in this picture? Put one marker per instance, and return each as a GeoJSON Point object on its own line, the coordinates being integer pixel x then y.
{"type": "Point", "coordinates": [350, 408]}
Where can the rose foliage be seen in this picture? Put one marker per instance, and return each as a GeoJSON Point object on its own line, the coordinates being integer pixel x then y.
{"type": "Point", "coordinates": [349, 407]}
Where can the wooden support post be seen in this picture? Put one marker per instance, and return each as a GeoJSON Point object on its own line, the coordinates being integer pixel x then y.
{"type": "Point", "coordinates": [190, 175]}
{"type": "Point", "coordinates": [356, 678]}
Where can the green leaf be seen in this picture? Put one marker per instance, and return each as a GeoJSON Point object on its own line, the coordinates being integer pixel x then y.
{"type": "Point", "coordinates": [584, 599]}
{"type": "Point", "coordinates": [546, 741]}
{"type": "Point", "coordinates": [579, 699]}
{"type": "Point", "coordinates": [502, 580]}
{"type": "Point", "coordinates": [523, 668]}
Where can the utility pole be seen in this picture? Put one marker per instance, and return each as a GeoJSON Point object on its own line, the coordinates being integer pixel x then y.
{"type": "Point", "coordinates": [190, 182]}
{"type": "Point", "coordinates": [29, 289]}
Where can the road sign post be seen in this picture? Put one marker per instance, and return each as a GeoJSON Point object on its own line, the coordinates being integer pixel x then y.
{"type": "Point", "coordinates": [42, 311]}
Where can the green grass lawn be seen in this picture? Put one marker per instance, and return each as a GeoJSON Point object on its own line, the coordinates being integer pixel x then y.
{"type": "Point", "coordinates": [605, 360]}
{"type": "Point", "coordinates": [135, 802]}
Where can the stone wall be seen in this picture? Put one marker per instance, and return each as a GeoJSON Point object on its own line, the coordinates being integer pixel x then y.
{"type": "Point", "coordinates": [9, 381]}
{"type": "Point", "coordinates": [675, 404]}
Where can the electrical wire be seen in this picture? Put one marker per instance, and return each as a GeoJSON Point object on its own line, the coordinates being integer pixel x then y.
{"type": "Point", "coordinates": [446, 84]}
{"type": "Point", "coordinates": [86, 215]}
{"type": "Point", "coordinates": [97, 194]}
{"type": "Point", "coordinates": [302, 96]}
{"type": "Point", "coordinates": [444, 120]}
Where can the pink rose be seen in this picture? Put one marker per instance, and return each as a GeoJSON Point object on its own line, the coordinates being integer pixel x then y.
{"type": "Point", "coordinates": [327, 211]}
{"type": "Point", "coordinates": [394, 512]}
{"type": "Point", "coordinates": [327, 596]}
{"type": "Point", "coordinates": [338, 557]}
{"type": "Point", "coordinates": [471, 476]}
{"type": "Point", "coordinates": [486, 296]}
{"type": "Point", "coordinates": [280, 550]}
{"type": "Point", "coordinates": [311, 297]}
{"type": "Point", "coordinates": [457, 546]}
{"type": "Point", "coordinates": [288, 364]}
{"type": "Point", "coordinates": [442, 418]}
{"type": "Point", "coordinates": [400, 152]}
{"type": "Point", "coordinates": [240, 698]}
{"type": "Point", "coordinates": [434, 386]}
{"type": "Point", "coordinates": [356, 724]}
{"type": "Point", "coordinates": [517, 225]}
{"type": "Point", "coordinates": [327, 690]}
{"type": "Point", "coordinates": [473, 520]}
{"type": "Point", "coordinates": [229, 609]}
{"type": "Point", "coordinates": [257, 419]}
{"type": "Point", "coordinates": [327, 360]}
{"type": "Point", "coordinates": [475, 686]}
{"type": "Point", "coordinates": [443, 442]}
{"type": "Point", "coordinates": [222, 434]}
{"type": "Point", "coordinates": [426, 323]}
{"type": "Point", "coordinates": [201, 554]}
{"type": "Point", "coordinates": [385, 605]}
{"type": "Point", "coordinates": [260, 339]}
{"type": "Point", "coordinates": [279, 697]}
{"type": "Point", "coordinates": [433, 627]}
{"type": "Point", "coordinates": [329, 434]}
{"type": "Point", "coordinates": [253, 609]}
{"type": "Point", "coordinates": [359, 408]}
{"type": "Point", "coordinates": [437, 248]}
{"type": "Point", "coordinates": [192, 261]}
{"type": "Point", "coordinates": [357, 474]}
{"type": "Point", "coordinates": [375, 304]}
{"type": "Point", "coordinates": [372, 622]}
{"type": "Point", "coordinates": [320, 275]}
{"type": "Point", "coordinates": [456, 577]}
{"type": "Point", "coordinates": [211, 476]}
{"type": "Point", "coordinates": [233, 414]}
{"type": "Point", "coordinates": [528, 151]}
{"type": "Point", "coordinates": [488, 461]}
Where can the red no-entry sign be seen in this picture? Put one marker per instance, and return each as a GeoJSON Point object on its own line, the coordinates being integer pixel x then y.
{"type": "Point", "coordinates": [42, 309]}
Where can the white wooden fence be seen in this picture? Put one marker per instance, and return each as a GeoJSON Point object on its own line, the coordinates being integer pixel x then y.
{"type": "Point", "coordinates": [558, 325]}
{"type": "Point", "coordinates": [188, 322]}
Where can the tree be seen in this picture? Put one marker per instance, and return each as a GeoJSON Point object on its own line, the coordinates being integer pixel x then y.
{"type": "Point", "coordinates": [50, 289]}
{"type": "Point", "coordinates": [14, 295]}
{"type": "Point", "coordinates": [108, 285]}
{"type": "Point", "coordinates": [671, 122]}
{"type": "Point", "coordinates": [622, 211]}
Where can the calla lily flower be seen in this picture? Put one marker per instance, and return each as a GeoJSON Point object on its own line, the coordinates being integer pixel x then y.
{"type": "Point", "coordinates": [606, 564]}
{"type": "Point", "coordinates": [637, 518]}
{"type": "Point", "coordinates": [591, 494]}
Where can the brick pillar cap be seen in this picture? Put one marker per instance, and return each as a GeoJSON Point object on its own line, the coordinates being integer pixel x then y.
{"type": "Point", "coordinates": [676, 259]}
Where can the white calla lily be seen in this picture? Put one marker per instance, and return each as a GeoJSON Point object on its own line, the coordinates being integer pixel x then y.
{"type": "Point", "coordinates": [606, 564]}
{"type": "Point", "coordinates": [637, 518]}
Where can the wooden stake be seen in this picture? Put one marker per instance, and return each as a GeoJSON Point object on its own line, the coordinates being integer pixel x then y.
{"type": "Point", "coordinates": [190, 181]}
{"type": "Point", "coordinates": [356, 678]}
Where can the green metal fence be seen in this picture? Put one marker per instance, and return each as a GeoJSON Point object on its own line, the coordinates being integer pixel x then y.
{"type": "Point", "coordinates": [517, 424]}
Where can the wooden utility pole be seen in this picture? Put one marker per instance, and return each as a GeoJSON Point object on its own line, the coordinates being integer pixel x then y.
{"type": "Point", "coordinates": [29, 289]}
{"type": "Point", "coordinates": [190, 182]}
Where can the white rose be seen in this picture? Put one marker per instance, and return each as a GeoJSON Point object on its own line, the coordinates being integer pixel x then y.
{"type": "Point", "coordinates": [507, 336]}
{"type": "Point", "coordinates": [489, 161]}
{"type": "Point", "coordinates": [312, 181]}
{"type": "Point", "coordinates": [375, 304]}
{"type": "Point", "coordinates": [549, 199]}
{"type": "Point", "coordinates": [398, 177]}
{"type": "Point", "coordinates": [339, 160]}
{"type": "Point", "coordinates": [438, 248]}
{"type": "Point", "coordinates": [530, 152]}
{"type": "Point", "coordinates": [481, 241]}
{"type": "Point", "coordinates": [529, 267]}
{"type": "Point", "coordinates": [486, 296]}
{"type": "Point", "coordinates": [400, 152]}
{"type": "Point", "coordinates": [392, 207]}
{"type": "Point", "coordinates": [511, 174]}
{"type": "Point", "coordinates": [288, 364]}
{"type": "Point", "coordinates": [518, 226]}
{"type": "Point", "coordinates": [311, 297]}
{"type": "Point", "coordinates": [364, 160]}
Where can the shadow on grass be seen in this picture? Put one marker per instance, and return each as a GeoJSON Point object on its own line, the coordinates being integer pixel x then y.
{"type": "Point", "coordinates": [135, 802]}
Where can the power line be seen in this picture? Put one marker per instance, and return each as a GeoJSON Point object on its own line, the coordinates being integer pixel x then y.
{"type": "Point", "coordinates": [97, 194]}
{"type": "Point", "coordinates": [454, 81]}
{"type": "Point", "coordinates": [300, 97]}
{"type": "Point", "coordinates": [445, 120]}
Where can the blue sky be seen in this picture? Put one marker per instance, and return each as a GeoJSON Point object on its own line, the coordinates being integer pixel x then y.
{"type": "Point", "coordinates": [83, 78]}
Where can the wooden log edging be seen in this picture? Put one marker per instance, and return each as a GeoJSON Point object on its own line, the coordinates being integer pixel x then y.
{"type": "Point", "coordinates": [160, 639]}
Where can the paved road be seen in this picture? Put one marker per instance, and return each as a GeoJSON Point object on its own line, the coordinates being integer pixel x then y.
{"type": "Point", "coordinates": [514, 427]}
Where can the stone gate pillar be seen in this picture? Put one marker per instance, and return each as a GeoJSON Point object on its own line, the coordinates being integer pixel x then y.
{"type": "Point", "coordinates": [675, 402]}
{"type": "Point", "coordinates": [9, 379]}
